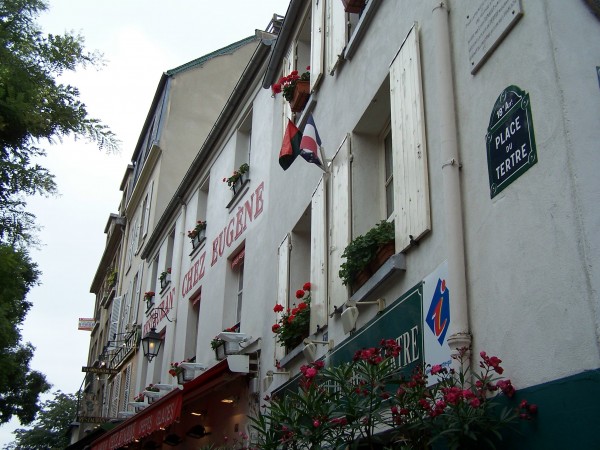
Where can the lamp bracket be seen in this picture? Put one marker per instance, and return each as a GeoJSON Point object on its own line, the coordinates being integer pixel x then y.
{"type": "Point", "coordinates": [380, 302]}
{"type": "Point", "coordinates": [329, 343]}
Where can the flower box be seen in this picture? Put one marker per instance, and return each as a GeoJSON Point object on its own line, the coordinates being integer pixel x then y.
{"type": "Point", "coordinates": [198, 239]}
{"type": "Point", "coordinates": [239, 183]}
{"type": "Point", "coordinates": [354, 6]}
{"type": "Point", "coordinates": [164, 282]}
{"type": "Point", "coordinates": [301, 95]}
{"type": "Point", "coordinates": [184, 376]}
{"type": "Point", "coordinates": [220, 352]}
{"type": "Point", "coordinates": [384, 252]}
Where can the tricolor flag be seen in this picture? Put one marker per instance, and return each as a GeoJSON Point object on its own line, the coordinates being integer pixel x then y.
{"type": "Point", "coordinates": [290, 147]}
{"type": "Point", "coordinates": [310, 143]}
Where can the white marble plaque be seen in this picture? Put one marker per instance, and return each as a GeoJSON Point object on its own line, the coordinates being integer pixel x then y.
{"type": "Point", "coordinates": [487, 24]}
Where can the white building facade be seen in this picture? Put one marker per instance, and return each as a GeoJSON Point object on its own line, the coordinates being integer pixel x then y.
{"type": "Point", "coordinates": [468, 125]}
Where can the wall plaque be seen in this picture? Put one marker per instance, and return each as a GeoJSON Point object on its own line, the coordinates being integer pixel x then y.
{"type": "Point", "coordinates": [510, 139]}
{"type": "Point", "coordinates": [487, 24]}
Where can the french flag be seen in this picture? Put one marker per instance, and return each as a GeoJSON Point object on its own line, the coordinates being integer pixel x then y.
{"type": "Point", "coordinates": [310, 143]}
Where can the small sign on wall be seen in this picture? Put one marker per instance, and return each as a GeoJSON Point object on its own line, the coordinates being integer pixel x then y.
{"type": "Point", "coordinates": [510, 139]}
{"type": "Point", "coordinates": [488, 22]}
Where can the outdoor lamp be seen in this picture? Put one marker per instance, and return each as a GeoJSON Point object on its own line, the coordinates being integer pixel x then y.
{"type": "Point", "coordinates": [151, 344]}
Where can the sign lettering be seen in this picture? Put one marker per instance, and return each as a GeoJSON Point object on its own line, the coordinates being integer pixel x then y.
{"type": "Point", "coordinates": [510, 140]}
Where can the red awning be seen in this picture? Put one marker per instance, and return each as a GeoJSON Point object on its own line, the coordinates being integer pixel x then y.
{"type": "Point", "coordinates": [159, 414]}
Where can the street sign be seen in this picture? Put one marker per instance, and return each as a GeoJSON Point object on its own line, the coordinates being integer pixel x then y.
{"type": "Point", "coordinates": [99, 370]}
{"type": "Point", "coordinates": [510, 139]}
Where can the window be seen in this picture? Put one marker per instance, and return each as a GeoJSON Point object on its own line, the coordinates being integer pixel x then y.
{"type": "Point", "coordinates": [233, 307]}
{"type": "Point", "coordinates": [243, 141]}
{"type": "Point", "coordinates": [240, 293]}
{"type": "Point", "coordinates": [193, 316]}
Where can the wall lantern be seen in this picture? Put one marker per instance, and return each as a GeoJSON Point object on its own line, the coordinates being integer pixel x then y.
{"type": "Point", "coordinates": [151, 344]}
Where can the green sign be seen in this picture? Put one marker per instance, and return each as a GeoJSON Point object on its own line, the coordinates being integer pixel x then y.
{"type": "Point", "coordinates": [91, 419]}
{"type": "Point", "coordinates": [401, 321]}
{"type": "Point", "coordinates": [510, 140]}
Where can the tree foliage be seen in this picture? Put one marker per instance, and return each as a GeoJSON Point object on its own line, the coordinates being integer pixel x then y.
{"type": "Point", "coordinates": [50, 430]}
{"type": "Point", "coordinates": [36, 108]}
{"type": "Point", "coordinates": [20, 387]}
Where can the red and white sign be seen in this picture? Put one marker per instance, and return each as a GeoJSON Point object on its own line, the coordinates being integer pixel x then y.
{"type": "Point", "coordinates": [86, 324]}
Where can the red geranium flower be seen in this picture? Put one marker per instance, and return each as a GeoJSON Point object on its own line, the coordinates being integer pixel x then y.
{"type": "Point", "coordinates": [299, 293]}
{"type": "Point", "coordinates": [278, 308]}
{"type": "Point", "coordinates": [306, 286]}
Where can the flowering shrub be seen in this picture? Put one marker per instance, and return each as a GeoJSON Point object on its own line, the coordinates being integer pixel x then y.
{"type": "Point", "coordinates": [149, 295]}
{"type": "Point", "coordinates": [200, 225]}
{"type": "Point", "coordinates": [293, 325]}
{"type": "Point", "coordinates": [152, 388]}
{"type": "Point", "coordinates": [336, 407]}
{"type": "Point", "coordinates": [139, 398]}
{"type": "Point", "coordinates": [163, 275]}
{"type": "Point", "coordinates": [236, 175]}
{"type": "Point", "coordinates": [287, 84]}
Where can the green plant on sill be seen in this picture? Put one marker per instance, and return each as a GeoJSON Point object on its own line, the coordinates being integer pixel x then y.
{"type": "Point", "coordinates": [361, 251]}
{"type": "Point", "coordinates": [163, 275]}
{"type": "Point", "coordinates": [237, 174]}
{"type": "Point", "coordinates": [111, 279]}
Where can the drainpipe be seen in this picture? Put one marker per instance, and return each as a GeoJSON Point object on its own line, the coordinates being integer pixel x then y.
{"type": "Point", "coordinates": [460, 335]}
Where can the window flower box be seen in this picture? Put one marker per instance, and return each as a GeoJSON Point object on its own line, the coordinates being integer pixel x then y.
{"type": "Point", "coordinates": [220, 352]}
{"type": "Point", "coordinates": [238, 178]}
{"type": "Point", "coordinates": [293, 324]}
{"type": "Point", "coordinates": [295, 89]}
{"type": "Point", "coordinates": [301, 94]}
{"type": "Point", "coordinates": [165, 278]}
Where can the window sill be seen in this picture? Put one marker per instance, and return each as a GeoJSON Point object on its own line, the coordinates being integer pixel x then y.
{"type": "Point", "coordinates": [396, 264]}
{"type": "Point", "coordinates": [293, 354]}
{"type": "Point", "coordinates": [361, 28]}
{"type": "Point", "coordinates": [239, 194]}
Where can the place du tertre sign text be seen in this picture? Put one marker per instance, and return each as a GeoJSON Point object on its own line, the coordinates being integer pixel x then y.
{"type": "Point", "coordinates": [510, 139]}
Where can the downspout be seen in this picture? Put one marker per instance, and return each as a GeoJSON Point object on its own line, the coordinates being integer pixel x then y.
{"type": "Point", "coordinates": [177, 256]}
{"type": "Point", "coordinates": [460, 336]}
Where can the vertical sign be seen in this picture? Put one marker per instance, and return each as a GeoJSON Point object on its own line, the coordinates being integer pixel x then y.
{"type": "Point", "coordinates": [436, 317]}
{"type": "Point", "coordinates": [510, 140]}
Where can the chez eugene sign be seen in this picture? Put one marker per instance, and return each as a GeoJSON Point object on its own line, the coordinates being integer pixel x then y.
{"type": "Point", "coordinates": [238, 222]}
{"type": "Point", "coordinates": [510, 140]}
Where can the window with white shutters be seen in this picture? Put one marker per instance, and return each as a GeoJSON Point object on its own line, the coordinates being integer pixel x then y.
{"type": "Point", "coordinates": [115, 315]}
{"type": "Point", "coordinates": [411, 202]}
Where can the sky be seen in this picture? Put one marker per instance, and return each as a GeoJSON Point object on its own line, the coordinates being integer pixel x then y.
{"type": "Point", "coordinates": [139, 40]}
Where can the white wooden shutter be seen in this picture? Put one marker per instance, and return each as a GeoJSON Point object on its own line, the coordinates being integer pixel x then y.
{"type": "Point", "coordinates": [137, 299]}
{"type": "Point", "coordinates": [115, 315]}
{"type": "Point", "coordinates": [411, 184]}
{"type": "Point", "coordinates": [289, 64]}
{"type": "Point", "coordinates": [283, 284]}
{"type": "Point", "coordinates": [126, 388]}
{"type": "Point", "coordinates": [318, 258]}
{"type": "Point", "coordinates": [339, 224]}
{"type": "Point", "coordinates": [125, 310]}
{"type": "Point", "coordinates": [114, 399]}
{"type": "Point", "coordinates": [317, 40]}
{"type": "Point", "coordinates": [336, 34]}
{"type": "Point", "coordinates": [105, 400]}
{"type": "Point", "coordinates": [146, 224]}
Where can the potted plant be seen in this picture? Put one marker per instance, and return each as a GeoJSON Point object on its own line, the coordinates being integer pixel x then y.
{"type": "Point", "coordinates": [222, 347]}
{"type": "Point", "coordinates": [151, 392]}
{"type": "Point", "coordinates": [238, 178]}
{"type": "Point", "coordinates": [180, 373]}
{"type": "Point", "coordinates": [111, 279]}
{"type": "Point", "coordinates": [293, 324]}
{"type": "Point", "coordinates": [148, 298]}
{"type": "Point", "coordinates": [165, 278]}
{"type": "Point", "coordinates": [295, 88]}
{"type": "Point", "coordinates": [198, 234]}
{"type": "Point", "coordinates": [366, 253]}
{"type": "Point", "coordinates": [354, 6]}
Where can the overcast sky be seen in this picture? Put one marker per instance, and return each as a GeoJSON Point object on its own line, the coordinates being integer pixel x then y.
{"type": "Point", "coordinates": [140, 39]}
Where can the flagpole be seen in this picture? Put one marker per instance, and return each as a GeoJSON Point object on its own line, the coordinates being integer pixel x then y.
{"type": "Point", "coordinates": [324, 162]}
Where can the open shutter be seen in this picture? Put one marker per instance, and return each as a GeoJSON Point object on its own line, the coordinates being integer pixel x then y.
{"type": "Point", "coordinates": [336, 34]}
{"type": "Point", "coordinates": [146, 223]}
{"type": "Point", "coordinates": [114, 399]}
{"type": "Point", "coordinates": [283, 284]}
{"type": "Point", "coordinates": [339, 222]}
{"type": "Point", "coordinates": [137, 299]}
{"type": "Point", "coordinates": [126, 388]}
{"type": "Point", "coordinates": [115, 315]}
{"type": "Point", "coordinates": [411, 185]}
{"type": "Point", "coordinates": [125, 310]}
{"type": "Point", "coordinates": [318, 258]}
{"type": "Point", "coordinates": [105, 400]}
{"type": "Point", "coordinates": [289, 64]}
{"type": "Point", "coordinates": [317, 40]}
